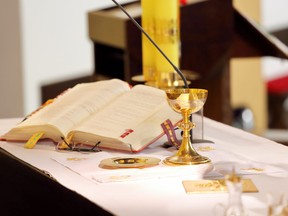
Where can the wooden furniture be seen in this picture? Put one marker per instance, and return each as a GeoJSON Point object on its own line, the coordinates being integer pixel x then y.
{"type": "Point", "coordinates": [206, 39]}
{"type": "Point", "coordinates": [30, 190]}
{"type": "Point", "coordinates": [212, 32]}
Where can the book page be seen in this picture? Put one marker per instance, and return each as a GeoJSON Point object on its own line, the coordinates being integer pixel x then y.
{"type": "Point", "coordinates": [129, 110]}
{"type": "Point", "coordinates": [148, 131]}
{"type": "Point", "coordinates": [78, 104]}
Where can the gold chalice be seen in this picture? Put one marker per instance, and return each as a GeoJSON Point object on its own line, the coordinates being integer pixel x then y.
{"type": "Point", "coordinates": [186, 101]}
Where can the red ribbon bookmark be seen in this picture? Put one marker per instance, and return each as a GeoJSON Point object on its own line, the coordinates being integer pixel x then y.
{"type": "Point", "coordinates": [170, 133]}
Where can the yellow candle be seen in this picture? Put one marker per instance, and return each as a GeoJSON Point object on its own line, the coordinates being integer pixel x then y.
{"type": "Point", "coordinates": [148, 50]}
{"type": "Point", "coordinates": [166, 36]}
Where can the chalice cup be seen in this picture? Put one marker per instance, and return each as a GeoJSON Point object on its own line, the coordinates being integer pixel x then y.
{"type": "Point", "coordinates": [186, 101]}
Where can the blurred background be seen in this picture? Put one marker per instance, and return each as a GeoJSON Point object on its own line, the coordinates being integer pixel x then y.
{"type": "Point", "coordinates": [47, 41]}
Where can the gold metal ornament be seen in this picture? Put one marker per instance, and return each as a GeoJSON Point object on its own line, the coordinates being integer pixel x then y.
{"type": "Point", "coordinates": [129, 162]}
{"type": "Point", "coordinates": [186, 101]}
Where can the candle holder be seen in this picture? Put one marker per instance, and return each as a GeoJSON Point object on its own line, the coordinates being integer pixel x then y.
{"type": "Point", "coordinates": [186, 101]}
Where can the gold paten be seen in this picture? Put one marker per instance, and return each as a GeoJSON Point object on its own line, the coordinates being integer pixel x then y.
{"type": "Point", "coordinates": [129, 162]}
{"type": "Point", "coordinates": [216, 186]}
{"type": "Point", "coordinates": [186, 101]}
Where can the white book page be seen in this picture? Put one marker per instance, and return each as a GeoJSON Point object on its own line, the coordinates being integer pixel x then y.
{"type": "Point", "coordinates": [78, 104]}
{"type": "Point", "coordinates": [129, 110]}
{"type": "Point", "coordinates": [150, 130]}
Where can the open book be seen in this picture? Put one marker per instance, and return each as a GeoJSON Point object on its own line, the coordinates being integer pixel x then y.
{"type": "Point", "coordinates": [110, 111]}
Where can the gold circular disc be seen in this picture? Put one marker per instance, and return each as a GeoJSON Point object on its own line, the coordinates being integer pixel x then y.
{"type": "Point", "coordinates": [129, 162]}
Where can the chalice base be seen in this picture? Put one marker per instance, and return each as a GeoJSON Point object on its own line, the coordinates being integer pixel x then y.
{"type": "Point", "coordinates": [177, 160]}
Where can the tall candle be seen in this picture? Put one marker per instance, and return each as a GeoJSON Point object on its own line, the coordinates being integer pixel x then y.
{"type": "Point", "coordinates": [166, 36]}
{"type": "Point", "coordinates": [148, 50]}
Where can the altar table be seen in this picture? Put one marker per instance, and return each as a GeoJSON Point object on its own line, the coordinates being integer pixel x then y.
{"type": "Point", "coordinates": [64, 187]}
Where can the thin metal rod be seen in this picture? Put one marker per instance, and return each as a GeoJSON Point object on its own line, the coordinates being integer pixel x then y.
{"type": "Point", "coordinates": [152, 41]}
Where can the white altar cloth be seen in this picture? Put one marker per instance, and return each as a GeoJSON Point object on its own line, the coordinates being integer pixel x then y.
{"type": "Point", "coordinates": [163, 193]}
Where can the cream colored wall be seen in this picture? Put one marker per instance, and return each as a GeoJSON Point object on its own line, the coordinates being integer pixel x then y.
{"type": "Point", "coordinates": [42, 42]}
{"type": "Point", "coordinates": [247, 82]}
{"type": "Point", "coordinates": [11, 86]}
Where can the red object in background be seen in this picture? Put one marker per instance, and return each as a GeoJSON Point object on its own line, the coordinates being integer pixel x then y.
{"type": "Point", "coordinates": [183, 2]}
{"type": "Point", "coordinates": [278, 85]}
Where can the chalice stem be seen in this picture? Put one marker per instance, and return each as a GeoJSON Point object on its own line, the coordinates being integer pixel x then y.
{"type": "Point", "coordinates": [186, 147]}
{"type": "Point", "coordinates": [187, 126]}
